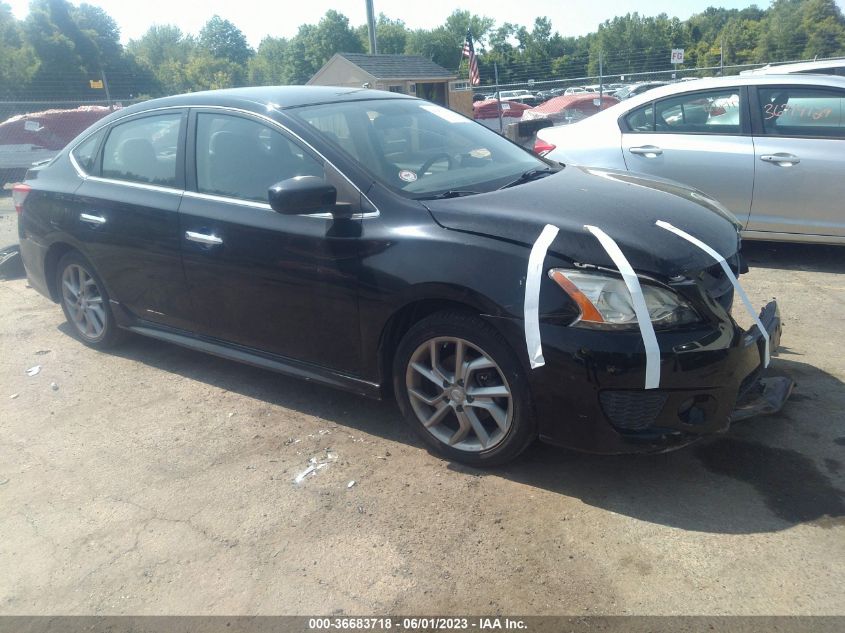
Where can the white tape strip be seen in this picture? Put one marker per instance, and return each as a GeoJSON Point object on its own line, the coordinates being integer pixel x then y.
{"type": "Point", "coordinates": [652, 350]}
{"type": "Point", "coordinates": [730, 274]}
{"type": "Point", "coordinates": [532, 295]}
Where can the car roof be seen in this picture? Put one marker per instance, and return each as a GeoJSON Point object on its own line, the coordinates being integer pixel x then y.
{"type": "Point", "coordinates": [729, 82]}
{"type": "Point", "coordinates": [264, 98]}
{"type": "Point", "coordinates": [797, 67]}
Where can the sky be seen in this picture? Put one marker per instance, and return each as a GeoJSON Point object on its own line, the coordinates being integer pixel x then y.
{"type": "Point", "coordinates": [259, 18]}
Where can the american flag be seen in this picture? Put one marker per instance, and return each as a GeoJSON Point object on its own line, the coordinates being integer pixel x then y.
{"type": "Point", "coordinates": [469, 51]}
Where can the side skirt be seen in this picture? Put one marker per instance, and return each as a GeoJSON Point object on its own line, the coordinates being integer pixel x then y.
{"type": "Point", "coordinates": [280, 364]}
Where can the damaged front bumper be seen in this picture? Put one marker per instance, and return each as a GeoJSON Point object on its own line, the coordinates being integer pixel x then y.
{"type": "Point", "coordinates": [764, 395]}
{"type": "Point", "coordinates": [589, 396]}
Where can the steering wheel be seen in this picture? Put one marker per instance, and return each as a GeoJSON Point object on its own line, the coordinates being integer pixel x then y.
{"type": "Point", "coordinates": [427, 164]}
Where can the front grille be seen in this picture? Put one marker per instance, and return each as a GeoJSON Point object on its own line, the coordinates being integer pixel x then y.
{"type": "Point", "coordinates": [717, 284]}
{"type": "Point", "coordinates": [632, 410]}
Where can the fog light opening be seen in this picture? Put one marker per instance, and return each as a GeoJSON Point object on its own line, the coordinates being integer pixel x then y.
{"type": "Point", "coordinates": [695, 411]}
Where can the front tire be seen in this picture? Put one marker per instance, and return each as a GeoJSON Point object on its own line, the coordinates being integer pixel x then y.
{"type": "Point", "coordinates": [85, 302]}
{"type": "Point", "coordinates": [461, 388]}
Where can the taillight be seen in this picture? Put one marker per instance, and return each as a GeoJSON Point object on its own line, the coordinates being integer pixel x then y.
{"type": "Point", "coordinates": [19, 194]}
{"type": "Point", "coordinates": [542, 147]}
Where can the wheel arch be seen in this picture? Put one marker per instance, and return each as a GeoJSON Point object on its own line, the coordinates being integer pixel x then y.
{"type": "Point", "coordinates": [427, 300]}
{"type": "Point", "coordinates": [54, 254]}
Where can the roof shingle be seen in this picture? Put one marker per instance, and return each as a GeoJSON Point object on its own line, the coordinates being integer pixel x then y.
{"type": "Point", "coordinates": [397, 66]}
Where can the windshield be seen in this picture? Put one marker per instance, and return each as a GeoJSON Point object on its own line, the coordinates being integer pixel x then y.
{"type": "Point", "coordinates": [418, 148]}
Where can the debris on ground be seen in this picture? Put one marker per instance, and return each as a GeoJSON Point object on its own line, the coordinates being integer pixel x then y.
{"type": "Point", "coordinates": [13, 396]}
{"type": "Point", "coordinates": [54, 386]}
{"type": "Point", "coordinates": [350, 484]}
{"type": "Point", "coordinates": [11, 264]}
{"type": "Point", "coordinates": [315, 465]}
{"type": "Point", "coordinates": [33, 371]}
{"type": "Point", "coordinates": [313, 468]}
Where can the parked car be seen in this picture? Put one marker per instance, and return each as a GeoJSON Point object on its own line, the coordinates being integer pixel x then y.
{"type": "Point", "coordinates": [637, 89]}
{"type": "Point", "coordinates": [822, 67]}
{"type": "Point", "coordinates": [26, 139]}
{"type": "Point", "coordinates": [771, 148]}
{"type": "Point", "coordinates": [519, 96]}
{"type": "Point", "coordinates": [573, 90]}
{"type": "Point", "coordinates": [381, 244]}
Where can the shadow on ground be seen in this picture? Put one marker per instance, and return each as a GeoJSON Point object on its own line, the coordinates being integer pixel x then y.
{"type": "Point", "coordinates": [767, 474]}
{"type": "Point", "coordinates": [782, 255]}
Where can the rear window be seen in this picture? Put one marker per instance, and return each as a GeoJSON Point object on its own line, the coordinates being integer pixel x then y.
{"type": "Point", "coordinates": [144, 150]}
{"type": "Point", "coordinates": [85, 153]}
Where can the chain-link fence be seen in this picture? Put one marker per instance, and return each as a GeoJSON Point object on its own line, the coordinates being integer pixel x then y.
{"type": "Point", "coordinates": [32, 131]}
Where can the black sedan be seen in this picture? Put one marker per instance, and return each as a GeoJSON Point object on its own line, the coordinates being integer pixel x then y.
{"type": "Point", "coordinates": [383, 244]}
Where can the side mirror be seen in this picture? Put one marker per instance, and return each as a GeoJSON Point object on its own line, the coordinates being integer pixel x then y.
{"type": "Point", "coordinates": [302, 194]}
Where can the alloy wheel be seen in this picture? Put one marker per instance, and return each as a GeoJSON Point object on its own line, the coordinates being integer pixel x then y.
{"type": "Point", "coordinates": [84, 302]}
{"type": "Point", "coordinates": [459, 394]}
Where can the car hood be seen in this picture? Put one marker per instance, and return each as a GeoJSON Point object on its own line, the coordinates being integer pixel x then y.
{"type": "Point", "coordinates": [624, 205]}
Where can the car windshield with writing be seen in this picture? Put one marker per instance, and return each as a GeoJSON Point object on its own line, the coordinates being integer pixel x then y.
{"type": "Point", "coordinates": [420, 149]}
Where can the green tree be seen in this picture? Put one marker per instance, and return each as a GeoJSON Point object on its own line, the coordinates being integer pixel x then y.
{"type": "Point", "coordinates": [391, 36]}
{"type": "Point", "coordinates": [267, 67]}
{"type": "Point", "coordinates": [824, 24]}
{"type": "Point", "coordinates": [313, 46]}
{"type": "Point", "coordinates": [18, 62]}
{"type": "Point", "coordinates": [223, 40]}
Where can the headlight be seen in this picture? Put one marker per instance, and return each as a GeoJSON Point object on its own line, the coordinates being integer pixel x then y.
{"type": "Point", "coordinates": [604, 300]}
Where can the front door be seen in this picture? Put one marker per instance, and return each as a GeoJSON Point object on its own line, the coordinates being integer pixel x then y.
{"type": "Point", "coordinates": [697, 139]}
{"type": "Point", "coordinates": [799, 143]}
{"type": "Point", "coordinates": [284, 284]}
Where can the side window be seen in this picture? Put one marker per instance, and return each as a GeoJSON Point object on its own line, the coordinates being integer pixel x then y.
{"type": "Point", "coordinates": [335, 127]}
{"type": "Point", "coordinates": [241, 158]}
{"type": "Point", "coordinates": [85, 153]}
{"type": "Point", "coordinates": [641, 119]}
{"type": "Point", "coordinates": [143, 150]}
{"type": "Point", "coordinates": [715, 112]}
{"type": "Point", "coordinates": [794, 111]}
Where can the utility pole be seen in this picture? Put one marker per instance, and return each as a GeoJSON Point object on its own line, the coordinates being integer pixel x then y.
{"type": "Point", "coordinates": [601, 79]}
{"type": "Point", "coordinates": [498, 96]}
{"type": "Point", "coordinates": [722, 57]}
{"type": "Point", "coordinates": [106, 88]}
{"type": "Point", "coordinates": [371, 27]}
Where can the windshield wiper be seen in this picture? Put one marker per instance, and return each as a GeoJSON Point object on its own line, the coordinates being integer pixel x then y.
{"type": "Point", "coordinates": [531, 174]}
{"type": "Point", "coordinates": [451, 193]}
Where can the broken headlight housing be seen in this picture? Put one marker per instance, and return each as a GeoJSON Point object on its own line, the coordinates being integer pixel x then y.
{"type": "Point", "coordinates": [604, 301]}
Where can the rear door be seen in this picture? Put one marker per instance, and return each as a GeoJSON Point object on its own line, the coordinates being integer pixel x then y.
{"type": "Point", "coordinates": [284, 284]}
{"type": "Point", "coordinates": [800, 156]}
{"type": "Point", "coordinates": [700, 139]}
{"type": "Point", "coordinates": [125, 214]}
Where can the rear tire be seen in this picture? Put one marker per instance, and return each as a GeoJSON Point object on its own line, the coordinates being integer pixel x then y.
{"type": "Point", "coordinates": [85, 302]}
{"type": "Point", "coordinates": [480, 414]}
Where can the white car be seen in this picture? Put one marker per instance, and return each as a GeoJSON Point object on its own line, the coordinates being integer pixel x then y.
{"type": "Point", "coordinates": [823, 67]}
{"type": "Point", "coordinates": [770, 148]}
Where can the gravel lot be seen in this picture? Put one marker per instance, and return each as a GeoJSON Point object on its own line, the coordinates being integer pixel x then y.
{"type": "Point", "coordinates": [155, 480]}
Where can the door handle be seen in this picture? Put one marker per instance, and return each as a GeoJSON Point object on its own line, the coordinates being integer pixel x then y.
{"type": "Point", "coordinates": [202, 238]}
{"type": "Point", "coordinates": [649, 151]}
{"type": "Point", "coordinates": [781, 158]}
{"type": "Point", "coordinates": [95, 220]}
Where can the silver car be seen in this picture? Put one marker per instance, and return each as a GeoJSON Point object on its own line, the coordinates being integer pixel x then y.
{"type": "Point", "coordinates": [771, 148]}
